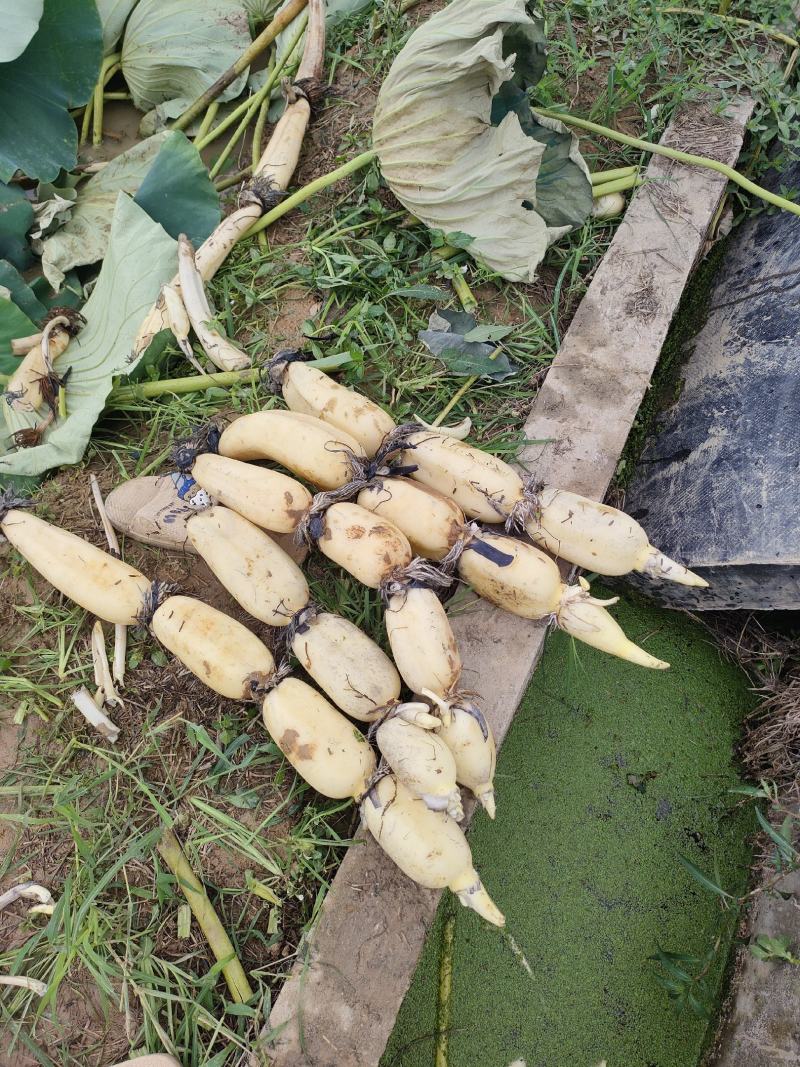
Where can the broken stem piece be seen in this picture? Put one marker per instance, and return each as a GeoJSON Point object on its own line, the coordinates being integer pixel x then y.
{"type": "Point", "coordinates": [21, 346]}
{"type": "Point", "coordinates": [120, 629]}
{"type": "Point", "coordinates": [84, 702]}
{"type": "Point", "coordinates": [102, 670]}
{"type": "Point", "coordinates": [207, 919]}
{"type": "Point", "coordinates": [262, 42]}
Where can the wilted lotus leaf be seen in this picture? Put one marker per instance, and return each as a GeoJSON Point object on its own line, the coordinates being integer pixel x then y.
{"type": "Point", "coordinates": [461, 148]}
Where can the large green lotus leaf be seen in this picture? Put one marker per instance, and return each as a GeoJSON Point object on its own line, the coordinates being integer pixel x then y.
{"type": "Point", "coordinates": [440, 153]}
{"type": "Point", "coordinates": [19, 21]}
{"type": "Point", "coordinates": [562, 192]}
{"type": "Point", "coordinates": [13, 323]}
{"type": "Point", "coordinates": [177, 191]}
{"type": "Point", "coordinates": [173, 50]}
{"type": "Point", "coordinates": [57, 71]}
{"type": "Point", "coordinates": [21, 293]}
{"type": "Point", "coordinates": [113, 15]}
{"type": "Point", "coordinates": [84, 238]}
{"type": "Point", "coordinates": [139, 259]}
{"type": "Point", "coordinates": [16, 218]}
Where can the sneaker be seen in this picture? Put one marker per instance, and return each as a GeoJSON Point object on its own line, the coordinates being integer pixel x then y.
{"type": "Point", "coordinates": [155, 510]}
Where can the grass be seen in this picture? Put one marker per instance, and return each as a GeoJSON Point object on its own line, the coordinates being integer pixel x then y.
{"type": "Point", "coordinates": [84, 818]}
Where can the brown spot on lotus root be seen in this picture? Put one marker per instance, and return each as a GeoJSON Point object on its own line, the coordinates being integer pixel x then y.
{"type": "Point", "coordinates": [289, 746]}
{"type": "Point", "coordinates": [355, 532]}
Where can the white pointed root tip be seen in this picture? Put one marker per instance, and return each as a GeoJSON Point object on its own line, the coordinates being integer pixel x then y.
{"type": "Point", "coordinates": [486, 800]}
{"type": "Point", "coordinates": [472, 894]}
{"type": "Point", "coordinates": [585, 617]}
{"type": "Point", "coordinates": [657, 565]}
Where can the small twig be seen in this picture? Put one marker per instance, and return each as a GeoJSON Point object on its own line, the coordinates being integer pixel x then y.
{"type": "Point", "coordinates": [220, 944]}
{"type": "Point", "coordinates": [120, 630]}
{"type": "Point", "coordinates": [20, 980]}
{"type": "Point", "coordinates": [262, 42]}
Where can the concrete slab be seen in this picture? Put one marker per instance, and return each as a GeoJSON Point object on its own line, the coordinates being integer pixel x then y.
{"type": "Point", "coordinates": [338, 1007]}
{"type": "Point", "coordinates": [763, 1028]}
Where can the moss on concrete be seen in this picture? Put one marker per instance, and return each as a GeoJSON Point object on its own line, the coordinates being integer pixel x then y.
{"type": "Point", "coordinates": [609, 774]}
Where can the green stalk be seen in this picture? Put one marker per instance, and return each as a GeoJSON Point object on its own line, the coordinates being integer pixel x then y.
{"type": "Point", "coordinates": [762, 27]}
{"type": "Point", "coordinates": [674, 153]}
{"type": "Point", "coordinates": [600, 177]}
{"type": "Point", "coordinates": [208, 118]}
{"type": "Point", "coordinates": [126, 394]}
{"type": "Point", "coordinates": [221, 184]}
{"type": "Point", "coordinates": [108, 69]}
{"type": "Point", "coordinates": [300, 197]}
{"type": "Point", "coordinates": [632, 181]}
{"type": "Point", "coordinates": [259, 98]}
{"type": "Point", "coordinates": [262, 42]}
{"type": "Point", "coordinates": [207, 919]}
{"type": "Point", "coordinates": [444, 1007]}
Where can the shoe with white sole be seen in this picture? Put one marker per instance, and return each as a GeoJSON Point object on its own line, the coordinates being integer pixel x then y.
{"type": "Point", "coordinates": [155, 509]}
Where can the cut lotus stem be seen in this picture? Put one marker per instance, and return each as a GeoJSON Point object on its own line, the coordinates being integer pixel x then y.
{"type": "Point", "coordinates": [108, 69]}
{"type": "Point", "coordinates": [120, 630]}
{"type": "Point", "coordinates": [207, 919]}
{"type": "Point", "coordinates": [600, 177]}
{"type": "Point", "coordinates": [208, 119]}
{"type": "Point", "coordinates": [222, 352]}
{"type": "Point", "coordinates": [674, 153]}
{"type": "Point", "coordinates": [258, 98]}
{"type": "Point", "coordinates": [94, 715]}
{"type": "Point", "coordinates": [618, 185]}
{"type": "Point", "coordinates": [279, 23]}
{"type": "Point", "coordinates": [126, 394]}
{"type": "Point", "coordinates": [444, 1007]}
{"type": "Point", "coordinates": [300, 197]}
{"type": "Point", "coordinates": [275, 169]}
{"type": "Point", "coordinates": [21, 346]}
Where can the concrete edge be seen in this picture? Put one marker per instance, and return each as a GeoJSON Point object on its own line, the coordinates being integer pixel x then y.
{"type": "Point", "coordinates": [338, 1007]}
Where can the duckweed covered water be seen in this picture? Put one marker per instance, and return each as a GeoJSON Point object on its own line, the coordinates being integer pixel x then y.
{"type": "Point", "coordinates": [609, 774]}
